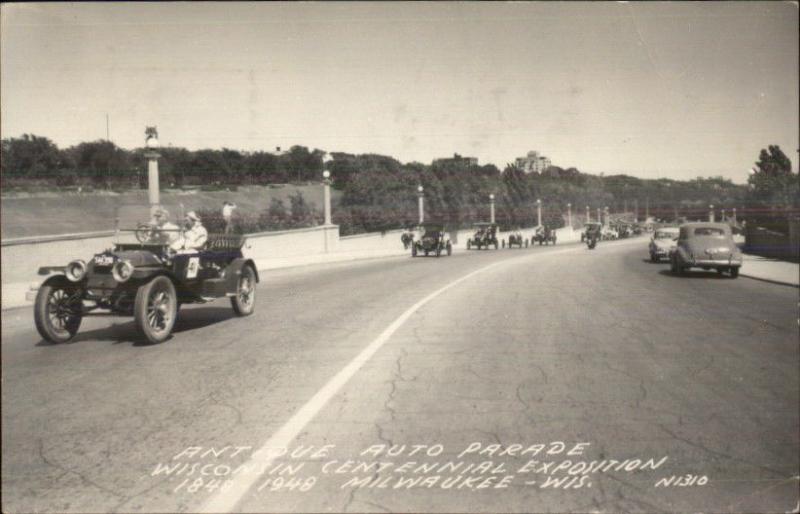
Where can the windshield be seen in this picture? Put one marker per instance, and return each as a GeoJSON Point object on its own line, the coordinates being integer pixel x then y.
{"type": "Point", "coordinates": [666, 235]}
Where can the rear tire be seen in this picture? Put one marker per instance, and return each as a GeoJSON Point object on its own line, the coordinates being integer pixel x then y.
{"type": "Point", "coordinates": [54, 308]}
{"type": "Point", "coordinates": [244, 303]}
{"type": "Point", "coordinates": [156, 308]}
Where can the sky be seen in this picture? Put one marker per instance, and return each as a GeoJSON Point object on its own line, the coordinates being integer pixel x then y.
{"type": "Point", "coordinates": [654, 90]}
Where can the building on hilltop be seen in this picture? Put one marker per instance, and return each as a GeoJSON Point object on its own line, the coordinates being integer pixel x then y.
{"type": "Point", "coordinates": [458, 159]}
{"type": "Point", "coordinates": [533, 162]}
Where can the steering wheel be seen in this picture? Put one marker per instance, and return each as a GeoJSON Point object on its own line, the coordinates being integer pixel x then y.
{"type": "Point", "coordinates": [146, 233]}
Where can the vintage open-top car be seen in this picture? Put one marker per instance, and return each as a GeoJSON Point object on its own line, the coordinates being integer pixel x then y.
{"type": "Point", "coordinates": [515, 239]}
{"type": "Point", "coordinates": [433, 241]}
{"type": "Point", "coordinates": [591, 228]}
{"type": "Point", "coordinates": [485, 236]}
{"type": "Point", "coordinates": [706, 246]}
{"type": "Point", "coordinates": [544, 235]}
{"type": "Point", "coordinates": [147, 280]}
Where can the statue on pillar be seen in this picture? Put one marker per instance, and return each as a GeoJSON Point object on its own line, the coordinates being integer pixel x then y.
{"type": "Point", "coordinates": [151, 136]}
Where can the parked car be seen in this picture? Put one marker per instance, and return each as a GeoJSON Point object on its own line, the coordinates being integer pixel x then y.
{"type": "Point", "coordinates": [146, 281]}
{"type": "Point", "coordinates": [484, 237]}
{"type": "Point", "coordinates": [433, 241]}
{"type": "Point", "coordinates": [515, 239]}
{"type": "Point", "coordinates": [662, 243]}
{"type": "Point", "coordinates": [706, 246]}
{"type": "Point", "coordinates": [544, 235]}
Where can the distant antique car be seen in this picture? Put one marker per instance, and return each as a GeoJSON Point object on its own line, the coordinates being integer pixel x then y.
{"type": "Point", "coordinates": [515, 239]}
{"type": "Point", "coordinates": [662, 242]}
{"type": "Point", "coordinates": [593, 227]}
{"type": "Point", "coordinates": [146, 280]}
{"type": "Point", "coordinates": [706, 246]}
{"type": "Point", "coordinates": [433, 241]}
{"type": "Point", "coordinates": [484, 237]}
{"type": "Point", "coordinates": [544, 235]}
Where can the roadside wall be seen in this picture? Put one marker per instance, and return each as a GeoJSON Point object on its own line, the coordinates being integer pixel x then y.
{"type": "Point", "coordinates": [759, 241]}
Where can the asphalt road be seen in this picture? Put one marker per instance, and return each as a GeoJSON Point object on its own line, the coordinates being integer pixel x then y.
{"type": "Point", "coordinates": [548, 379]}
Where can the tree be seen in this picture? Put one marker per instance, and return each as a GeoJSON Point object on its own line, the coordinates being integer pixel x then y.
{"type": "Point", "coordinates": [774, 192]}
{"type": "Point", "coordinates": [32, 157]}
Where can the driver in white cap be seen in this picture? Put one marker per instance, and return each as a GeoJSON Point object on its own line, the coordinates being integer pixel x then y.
{"type": "Point", "coordinates": [195, 236]}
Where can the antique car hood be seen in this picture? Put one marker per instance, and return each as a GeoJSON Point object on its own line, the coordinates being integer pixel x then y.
{"type": "Point", "coordinates": [138, 257]}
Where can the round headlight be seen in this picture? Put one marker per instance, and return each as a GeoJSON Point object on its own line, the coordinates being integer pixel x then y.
{"type": "Point", "coordinates": [75, 270]}
{"type": "Point", "coordinates": [122, 271]}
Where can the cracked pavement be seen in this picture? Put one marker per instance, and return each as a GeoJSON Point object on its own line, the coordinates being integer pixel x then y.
{"type": "Point", "coordinates": [600, 347]}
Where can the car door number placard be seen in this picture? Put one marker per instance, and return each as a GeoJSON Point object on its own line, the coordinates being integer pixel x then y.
{"type": "Point", "coordinates": [192, 267]}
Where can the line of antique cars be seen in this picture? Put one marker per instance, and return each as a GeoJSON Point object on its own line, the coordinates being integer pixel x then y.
{"type": "Point", "coordinates": [149, 281]}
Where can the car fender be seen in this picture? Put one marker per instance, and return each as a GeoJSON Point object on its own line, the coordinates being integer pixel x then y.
{"type": "Point", "coordinates": [52, 270]}
{"type": "Point", "coordinates": [234, 270]}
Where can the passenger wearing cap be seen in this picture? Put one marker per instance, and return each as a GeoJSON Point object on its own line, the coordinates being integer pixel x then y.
{"type": "Point", "coordinates": [169, 231]}
{"type": "Point", "coordinates": [195, 235]}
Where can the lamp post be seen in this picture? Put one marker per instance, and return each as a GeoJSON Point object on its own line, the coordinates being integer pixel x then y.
{"type": "Point", "coordinates": [599, 216]}
{"type": "Point", "coordinates": [711, 213]}
{"type": "Point", "coordinates": [491, 207]}
{"type": "Point", "coordinates": [326, 196]}
{"type": "Point", "coordinates": [733, 214]}
{"type": "Point", "coordinates": [151, 143]}
{"type": "Point", "coordinates": [569, 215]}
{"type": "Point", "coordinates": [605, 216]}
{"type": "Point", "coordinates": [420, 204]}
{"type": "Point", "coordinates": [588, 217]}
{"type": "Point", "coordinates": [636, 210]}
{"type": "Point", "coordinates": [538, 212]}
{"type": "Point", "coordinates": [722, 215]}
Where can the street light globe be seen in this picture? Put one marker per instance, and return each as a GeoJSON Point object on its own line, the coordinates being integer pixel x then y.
{"type": "Point", "coordinates": [491, 196]}
{"type": "Point", "coordinates": [420, 189]}
{"type": "Point", "coordinates": [151, 142]}
{"type": "Point", "coordinates": [538, 200]}
{"type": "Point", "coordinates": [326, 174]}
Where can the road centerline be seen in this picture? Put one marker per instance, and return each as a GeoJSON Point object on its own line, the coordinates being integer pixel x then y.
{"type": "Point", "coordinates": [227, 500]}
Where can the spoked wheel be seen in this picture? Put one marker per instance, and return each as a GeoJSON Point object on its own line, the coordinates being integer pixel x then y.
{"type": "Point", "coordinates": [245, 300]}
{"type": "Point", "coordinates": [156, 309]}
{"type": "Point", "coordinates": [57, 311]}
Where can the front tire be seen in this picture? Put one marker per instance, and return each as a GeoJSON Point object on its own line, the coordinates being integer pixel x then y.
{"type": "Point", "coordinates": [244, 303]}
{"type": "Point", "coordinates": [156, 308]}
{"type": "Point", "coordinates": [54, 311]}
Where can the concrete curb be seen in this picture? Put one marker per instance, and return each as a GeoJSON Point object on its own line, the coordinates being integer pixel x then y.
{"type": "Point", "coordinates": [769, 280]}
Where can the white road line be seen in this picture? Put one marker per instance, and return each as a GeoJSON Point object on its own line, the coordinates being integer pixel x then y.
{"type": "Point", "coordinates": [226, 501]}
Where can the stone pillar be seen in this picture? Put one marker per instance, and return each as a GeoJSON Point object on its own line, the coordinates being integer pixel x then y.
{"type": "Point", "coordinates": [569, 215]}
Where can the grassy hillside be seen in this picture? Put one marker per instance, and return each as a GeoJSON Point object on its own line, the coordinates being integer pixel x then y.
{"type": "Point", "coordinates": [69, 212]}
